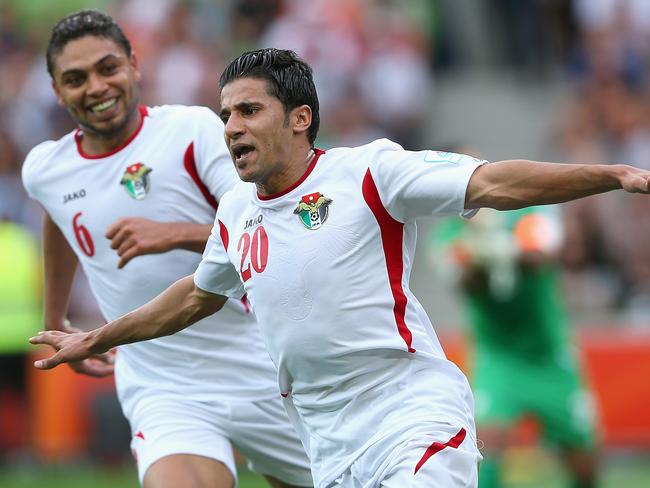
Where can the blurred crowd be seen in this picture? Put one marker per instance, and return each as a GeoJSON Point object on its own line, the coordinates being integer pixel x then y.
{"type": "Point", "coordinates": [609, 121]}
{"type": "Point", "coordinates": [374, 63]}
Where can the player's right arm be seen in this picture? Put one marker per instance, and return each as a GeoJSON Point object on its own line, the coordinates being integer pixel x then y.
{"type": "Point", "coordinates": [135, 236]}
{"type": "Point", "coordinates": [181, 305]}
{"type": "Point", "coordinates": [60, 264]}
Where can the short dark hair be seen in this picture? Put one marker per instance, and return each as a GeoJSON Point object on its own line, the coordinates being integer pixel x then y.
{"type": "Point", "coordinates": [290, 79]}
{"type": "Point", "coordinates": [80, 24]}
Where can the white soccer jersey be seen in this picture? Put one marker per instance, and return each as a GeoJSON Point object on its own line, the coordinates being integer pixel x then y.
{"type": "Point", "coordinates": [326, 266]}
{"type": "Point", "coordinates": [171, 170]}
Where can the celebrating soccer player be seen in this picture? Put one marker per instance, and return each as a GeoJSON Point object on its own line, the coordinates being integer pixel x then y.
{"type": "Point", "coordinates": [323, 243]}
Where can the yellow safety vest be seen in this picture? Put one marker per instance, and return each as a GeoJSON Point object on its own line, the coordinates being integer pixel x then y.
{"type": "Point", "coordinates": [20, 288]}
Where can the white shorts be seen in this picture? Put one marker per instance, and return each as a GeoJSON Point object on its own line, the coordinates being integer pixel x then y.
{"type": "Point", "coordinates": [447, 458]}
{"type": "Point", "coordinates": [260, 431]}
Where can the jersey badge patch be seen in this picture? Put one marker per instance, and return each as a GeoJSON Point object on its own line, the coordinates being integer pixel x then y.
{"type": "Point", "coordinates": [312, 210]}
{"type": "Point", "coordinates": [136, 180]}
{"type": "Point", "coordinates": [442, 157]}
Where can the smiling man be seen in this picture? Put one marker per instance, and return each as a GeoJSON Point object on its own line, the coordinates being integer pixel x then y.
{"type": "Point", "coordinates": [99, 92]}
{"type": "Point", "coordinates": [323, 243]}
{"type": "Point", "coordinates": [131, 195]}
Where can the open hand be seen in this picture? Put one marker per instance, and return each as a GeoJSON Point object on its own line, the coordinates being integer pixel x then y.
{"type": "Point", "coordinates": [73, 348]}
{"type": "Point", "coordinates": [98, 365]}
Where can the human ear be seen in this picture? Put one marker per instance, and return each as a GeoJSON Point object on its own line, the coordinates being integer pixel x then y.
{"type": "Point", "coordinates": [301, 118]}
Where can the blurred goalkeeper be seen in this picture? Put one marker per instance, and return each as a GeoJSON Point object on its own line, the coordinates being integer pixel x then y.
{"type": "Point", "coordinates": [506, 267]}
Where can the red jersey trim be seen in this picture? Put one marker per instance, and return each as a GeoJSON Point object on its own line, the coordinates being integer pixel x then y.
{"type": "Point", "coordinates": [454, 442]}
{"type": "Point", "coordinates": [244, 301]}
{"type": "Point", "coordinates": [310, 168]}
{"type": "Point", "coordinates": [78, 134]}
{"type": "Point", "coordinates": [223, 232]}
{"type": "Point", "coordinates": [190, 166]}
{"type": "Point", "coordinates": [392, 233]}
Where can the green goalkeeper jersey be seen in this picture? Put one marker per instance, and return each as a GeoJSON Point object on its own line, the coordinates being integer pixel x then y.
{"type": "Point", "coordinates": [513, 308]}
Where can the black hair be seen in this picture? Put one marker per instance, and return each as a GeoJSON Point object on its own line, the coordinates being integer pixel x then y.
{"type": "Point", "coordinates": [289, 78]}
{"type": "Point", "coordinates": [80, 24]}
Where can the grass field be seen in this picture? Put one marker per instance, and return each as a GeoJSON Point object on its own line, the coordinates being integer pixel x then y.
{"type": "Point", "coordinates": [85, 477]}
{"type": "Point", "coordinates": [528, 469]}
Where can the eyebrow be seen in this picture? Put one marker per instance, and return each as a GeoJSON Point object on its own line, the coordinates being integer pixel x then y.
{"type": "Point", "coordinates": [97, 63]}
{"type": "Point", "coordinates": [239, 106]}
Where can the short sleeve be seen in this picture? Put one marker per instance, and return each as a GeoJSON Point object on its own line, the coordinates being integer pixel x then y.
{"type": "Point", "coordinates": [29, 173]}
{"type": "Point", "coordinates": [26, 174]}
{"type": "Point", "coordinates": [213, 162]}
{"type": "Point", "coordinates": [414, 184]}
{"type": "Point", "coordinates": [215, 273]}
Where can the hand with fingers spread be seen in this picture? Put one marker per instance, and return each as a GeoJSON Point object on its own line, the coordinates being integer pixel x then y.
{"type": "Point", "coordinates": [135, 236]}
{"type": "Point", "coordinates": [74, 348]}
{"type": "Point", "coordinates": [97, 365]}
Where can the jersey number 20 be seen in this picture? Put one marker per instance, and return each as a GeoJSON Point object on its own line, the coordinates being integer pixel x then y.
{"type": "Point", "coordinates": [254, 252]}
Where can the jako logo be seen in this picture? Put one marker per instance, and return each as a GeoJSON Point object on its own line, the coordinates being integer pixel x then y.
{"type": "Point", "coordinates": [252, 222]}
{"type": "Point", "coordinates": [75, 195]}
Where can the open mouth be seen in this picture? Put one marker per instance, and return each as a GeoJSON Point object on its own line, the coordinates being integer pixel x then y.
{"type": "Point", "coordinates": [241, 151]}
{"type": "Point", "coordinates": [104, 106]}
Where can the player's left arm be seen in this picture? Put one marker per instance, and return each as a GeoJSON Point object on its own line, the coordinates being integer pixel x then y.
{"type": "Point", "coordinates": [136, 236]}
{"type": "Point", "coordinates": [508, 185]}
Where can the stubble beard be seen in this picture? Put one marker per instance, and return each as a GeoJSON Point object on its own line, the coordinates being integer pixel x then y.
{"type": "Point", "coordinates": [114, 131]}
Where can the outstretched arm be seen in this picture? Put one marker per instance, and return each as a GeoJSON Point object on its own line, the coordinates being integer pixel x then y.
{"type": "Point", "coordinates": [508, 185]}
{"type": "Point", "coordinates": [60, 264]}
{"type": "Point", "coordinates": [179, 306]}
{"type": "Point", "coordinates": [135, 236]}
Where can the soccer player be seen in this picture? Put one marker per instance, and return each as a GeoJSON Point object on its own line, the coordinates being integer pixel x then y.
{"type": "Point", "coordinates": [131, 195]}
{"type": "Point", "coordinates": [323, 244]}
{"type": "Point", "coordinates": [506, 265]}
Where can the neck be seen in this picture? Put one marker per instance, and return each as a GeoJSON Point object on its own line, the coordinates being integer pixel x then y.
{"type": "Point", "coordinates": [289, 174]}
{"type": "Point", "coordinates": [310, 157]}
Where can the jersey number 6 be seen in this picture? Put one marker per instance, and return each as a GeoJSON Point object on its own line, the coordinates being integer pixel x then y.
{"type": "Point", "coordinates": [84, 238]}
{"type": "Point", "coordinates": [258, 246]}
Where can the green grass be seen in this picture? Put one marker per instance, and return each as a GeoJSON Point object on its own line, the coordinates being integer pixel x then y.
{"type": "Point", "coordinates": [533, 468]}
{"type": "Point", "coordinates": [85, 477]}
{"type": "Point", "coordinates": [526, 470]}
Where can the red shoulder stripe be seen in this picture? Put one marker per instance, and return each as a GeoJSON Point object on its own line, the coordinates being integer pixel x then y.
{"type": "Point", "coordinates": [190, 166]}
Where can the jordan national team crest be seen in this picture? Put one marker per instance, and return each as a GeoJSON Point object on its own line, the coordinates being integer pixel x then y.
{"type": "Point", "coordinates": [136, 180]}
{"type": "Point", "coordinates": [312, 210]}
